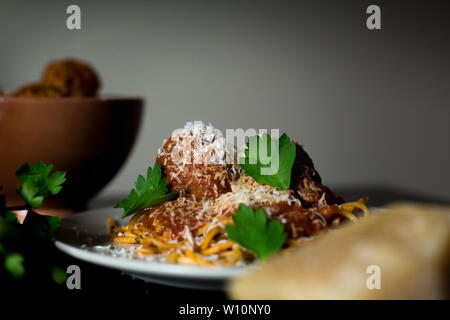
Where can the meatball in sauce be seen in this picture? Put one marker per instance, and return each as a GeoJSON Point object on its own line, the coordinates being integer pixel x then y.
{"type": "Point", "coordinates": [193, 162]}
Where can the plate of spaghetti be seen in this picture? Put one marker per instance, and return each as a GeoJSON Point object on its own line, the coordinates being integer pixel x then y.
{"type": "Point", "coordinates": [207, 212]}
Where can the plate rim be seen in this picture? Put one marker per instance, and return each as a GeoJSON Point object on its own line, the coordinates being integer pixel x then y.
{"type": "Point", "coordinates": [145, 267]}
{"type": "Point", "coordinates": [152, 268]}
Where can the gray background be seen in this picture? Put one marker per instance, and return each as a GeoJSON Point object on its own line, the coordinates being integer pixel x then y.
{"type": "Point", "coordinates": [371, 107]}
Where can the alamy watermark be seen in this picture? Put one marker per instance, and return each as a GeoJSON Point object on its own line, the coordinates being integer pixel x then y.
{"type": "Point", "coordinates": [373, 21]}
{"type": "Point", "coordinates": [374, 280]}
{"type": "Point", "coordinates": [73, 21]}
{"type": "Point", "coordinates": [73, 277]}
{"type": "Point", "coordinates": [204, 145]}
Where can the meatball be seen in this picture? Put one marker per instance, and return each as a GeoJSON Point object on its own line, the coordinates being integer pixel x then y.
{"type": "Point", "coordinates": [74, 78]}
{"type": "Point", "coordinates": [38, 90]}
{"type": "Point", "coordinates": [307, 183]}
{"type": "Point", "coordinates": [282, 205]}
{"type": "Point", "coordinates": [193, 161]}
{"type": "Point", "coordinates": [172, 217]}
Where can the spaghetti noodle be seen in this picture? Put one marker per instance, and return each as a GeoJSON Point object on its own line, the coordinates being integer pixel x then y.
{"type": "Point", "coordinates": [205, 242]}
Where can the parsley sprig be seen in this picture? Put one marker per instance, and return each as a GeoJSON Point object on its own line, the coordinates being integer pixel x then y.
{"type": "Point", "coordinates": [148, 192]}
{"type": "Point", "coordinates": [18, 241]}
{"type": "Point", "coordinates": [286, 151]}
{"type": "Point", "coordinates": [37, 183]}
{"type": "Point", "coordinates": [252, 232]}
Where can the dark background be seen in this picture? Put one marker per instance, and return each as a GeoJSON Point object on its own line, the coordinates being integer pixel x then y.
{"type": "Point", "coordinates": [371, 107]}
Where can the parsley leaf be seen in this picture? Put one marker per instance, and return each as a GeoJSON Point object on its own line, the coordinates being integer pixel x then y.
{"type": "Point", "coordinates": [147, 192]}
{"type": "Point", "coordinates": [37, 184]}
{"type": "Point", "coordinates": [259, 170]}
{"type": "Point", "coordinates": [252, 232]}
{"type": "Point", "coordinates": [58, 275]}
{"type": "Point", "coordinates": [14, 264]}
{"type": "Point", "coordinates": [29, 240]}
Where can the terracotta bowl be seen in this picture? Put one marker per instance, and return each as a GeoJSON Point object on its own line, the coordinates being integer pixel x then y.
{"type": "Point", "coordinates": [90, 138]}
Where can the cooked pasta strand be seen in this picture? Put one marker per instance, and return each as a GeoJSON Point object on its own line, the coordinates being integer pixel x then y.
{"type": "Point", "coordinates": [210, 245]}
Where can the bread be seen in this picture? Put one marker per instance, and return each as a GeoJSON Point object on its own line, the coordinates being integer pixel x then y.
{"type": "Point", "coordinates": [410, 244]}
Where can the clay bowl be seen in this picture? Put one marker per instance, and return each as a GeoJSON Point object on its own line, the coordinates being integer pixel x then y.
{"type": "Point", "coordinates": [89, 138]}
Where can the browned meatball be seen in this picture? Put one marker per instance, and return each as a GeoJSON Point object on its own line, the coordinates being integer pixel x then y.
{"type": "Point", "coordinates": [172, 217]}
{"type": "Point", "coordinates": [204, 181]}
{"type": "Point", "coordinates": [307, 183]}
{"type": "Point", "coordinates": [38, 90]}
{"type": "Point", "coordinates": [74, 78]}
{"type": "Point", "coordinates": [193, 160]}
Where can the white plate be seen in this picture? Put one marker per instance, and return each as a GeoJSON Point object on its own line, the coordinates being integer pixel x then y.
{"type": "Point", "coordinates": [85, 235]}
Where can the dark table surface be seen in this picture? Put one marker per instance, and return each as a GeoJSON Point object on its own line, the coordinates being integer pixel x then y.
{"type": "Point", "coordinates": [99, 281]}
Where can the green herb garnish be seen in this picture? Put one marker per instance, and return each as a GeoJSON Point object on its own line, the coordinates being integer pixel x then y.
{"type": "Point", "coordinates": [147, 193]}
{"type": "Point", "coordinates": [19, 241]}
{"type": "Point", "coordinates": [37, 182]}
{"type": "Point", "coordinates": [286, 156]}
{"type": "Point", "coordinates": [14, 264]}
{"type": "Point", "coordinates": [58, 275]}
{"type": "Point", "coordinates": [252, 232]}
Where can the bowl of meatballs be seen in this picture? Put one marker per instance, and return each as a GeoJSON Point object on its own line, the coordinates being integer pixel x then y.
{"type": "Point", "coordinates": [62, 119]}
